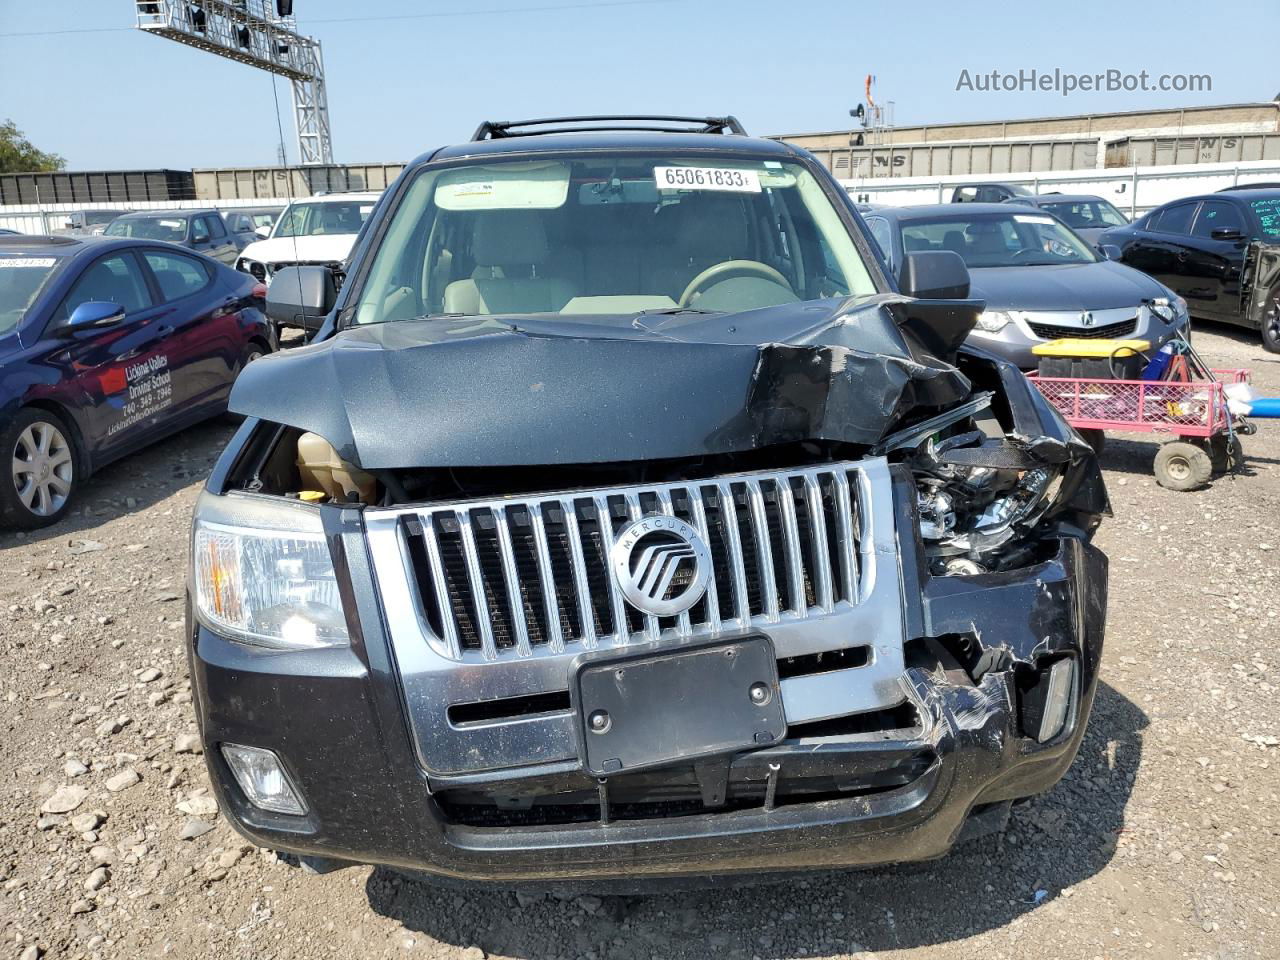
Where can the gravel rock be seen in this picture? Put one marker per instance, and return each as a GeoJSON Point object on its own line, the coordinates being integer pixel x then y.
{"type": "Point", "coordinates": [74, 768]}
{"type": "Point", "coordinates": [201, 805]}
{"type": "Point", "coordinates": [188, 743]}
{"type": "Point", "coordinates": [150, 675]}
{"type": "Point", "coordinates": [84, 822]}
{"type": "Point", "coordinates": [65, 799]}
{"type": "Point", "coordinates": [32, 952]}
{"type": "Point", "coordinates": [194, 829]}
{"type": "Point", "coordinates": [97, 879]}
{"type": "Point", "coordinates": [123, 780]}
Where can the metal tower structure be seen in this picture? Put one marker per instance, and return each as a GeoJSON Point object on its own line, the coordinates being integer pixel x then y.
{"type": "Point", "coordinates": [258, 33]}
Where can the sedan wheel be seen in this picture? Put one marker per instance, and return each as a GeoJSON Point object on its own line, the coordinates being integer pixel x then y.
{"type": "Point", "coordinates": [42, 471]}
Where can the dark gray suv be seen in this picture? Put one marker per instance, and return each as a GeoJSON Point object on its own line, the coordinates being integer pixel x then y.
{"type": "Point", "coordinates": [625, 519]}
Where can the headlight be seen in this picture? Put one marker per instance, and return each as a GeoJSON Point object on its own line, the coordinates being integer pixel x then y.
{"type": "Point", "coordinates": [993, 321]}
{"type": "Point", "coordinates": [253, 268]}
{"type": "Point", "coordinates": [1170, 311]}
{"type": "Point", "coordinates": [271, 588]}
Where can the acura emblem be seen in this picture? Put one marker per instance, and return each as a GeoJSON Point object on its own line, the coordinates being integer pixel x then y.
{"type": "Point", "coordinates": [661, 565]}
{"type": "Point", "coordinates": [1086, 319]}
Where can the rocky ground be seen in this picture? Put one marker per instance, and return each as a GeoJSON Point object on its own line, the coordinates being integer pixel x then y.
{"type": "Point", "coordinates": [1163, 841]}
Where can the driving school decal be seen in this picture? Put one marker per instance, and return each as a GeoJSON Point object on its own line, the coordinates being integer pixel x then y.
{"type": "Point", "coordinates": [142, 389]}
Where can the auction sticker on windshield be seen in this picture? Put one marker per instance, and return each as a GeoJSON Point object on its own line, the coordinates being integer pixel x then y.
{"type": "Point", "coordinates": [27, 261]}
{"type": "Point", "coordinates": [707, 178]}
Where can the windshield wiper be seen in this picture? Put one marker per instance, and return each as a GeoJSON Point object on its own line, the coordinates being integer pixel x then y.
{"type": "Point", "coordinates": [672, 311]}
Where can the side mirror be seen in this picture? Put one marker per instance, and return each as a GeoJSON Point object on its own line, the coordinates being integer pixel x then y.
{"type": "Point", "coordinates": [1226, 233]}
{"type": "Point", "coordinates": [93, 314]}
{"type": "Point", "coordinates": [934, 275]}
{"type": "Point", "coordinates": [301, 294]}
{"type": "Point", "coordinates": [1110, 251]}
{"type": "Point", "coordinates": [262, 233]}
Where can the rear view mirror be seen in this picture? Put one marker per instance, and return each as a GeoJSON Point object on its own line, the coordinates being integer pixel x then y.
{"type": "Point", "coordinates": [1110, 251]}
{"type": "Point", "coordinates": [93, 314]}
{"type": "Point", "coordinates": [1226, 233]}
{"type": "Point", "coordinates": [299, 294]}
{"type": "Point", "coordinates": [934, 275]}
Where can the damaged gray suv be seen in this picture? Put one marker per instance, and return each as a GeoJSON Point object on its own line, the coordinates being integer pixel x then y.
{"type": "Point", "coordinates": [626, 519]}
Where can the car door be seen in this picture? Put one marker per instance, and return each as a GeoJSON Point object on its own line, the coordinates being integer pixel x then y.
{"type": "Point", "coordinates": [205, 345]}
{"type": "Point", "coordinates": [1158, 244]}
{"type": "Point", "coordinates": [221, 245]}
{"type": "Point", "coordinates": [1214, 264]}
{"type": "Point", "coordinates": [122, 371]}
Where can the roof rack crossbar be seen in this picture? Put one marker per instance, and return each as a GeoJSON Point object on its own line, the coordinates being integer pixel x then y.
{"type": "Point", "coordinates": [498, 129]}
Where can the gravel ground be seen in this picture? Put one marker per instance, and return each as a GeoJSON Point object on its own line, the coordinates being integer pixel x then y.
{"type": "Point", "coordinates": [1161, 842]}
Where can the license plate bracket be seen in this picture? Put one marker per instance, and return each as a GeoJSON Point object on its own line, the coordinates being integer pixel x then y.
{"type": "Point", "coordinates": [650, 709]}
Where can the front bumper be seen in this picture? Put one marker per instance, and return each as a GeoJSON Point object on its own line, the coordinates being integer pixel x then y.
{"type": "Point", "coordinates": [840, 798]}
{"type": "Point", "coordinates": [1015, 341]}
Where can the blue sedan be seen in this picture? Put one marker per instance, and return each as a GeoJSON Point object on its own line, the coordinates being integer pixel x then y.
{"type": "Point", "coordinates": [107, 345]}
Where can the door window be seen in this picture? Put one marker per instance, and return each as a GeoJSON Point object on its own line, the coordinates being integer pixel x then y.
{"type": "Point", "coordinates": [216, 228]}
{"type": "Point", "coordinates": [1175, 219]}
{"type": "Point", "coordinates": [117, 279]}
{"type": "Point", "coordinates": [199, 231]}
{"type": "Point", "coordinates": [879, 227]}
{"type": "Point", "coordinates": [1217, 215]}
{"type": "Point", "coordinates": [177, 276]}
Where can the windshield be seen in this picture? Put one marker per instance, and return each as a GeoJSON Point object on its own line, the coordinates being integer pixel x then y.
{"type": "Point", "coordinates": [999, 240]}
{"type": "Point", "coordinates": [1086, 214]}
{"type": "Point", "coordinates": [173, 229]}
{"type": "Point", "coordinates": [323, 219]}
{"type": "Point", "coordinates": [22, 277]}
{"type": "Point", "coordinates": [611, 235]}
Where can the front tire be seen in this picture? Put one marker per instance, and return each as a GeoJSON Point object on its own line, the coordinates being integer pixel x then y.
{"type": "Point", "coordinates": [1182, 466]}
{"type": "Point", "coordinates": [44, 470]}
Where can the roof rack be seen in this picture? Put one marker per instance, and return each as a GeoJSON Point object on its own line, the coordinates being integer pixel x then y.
{"type": "Point", "coordinates": [499, 129]}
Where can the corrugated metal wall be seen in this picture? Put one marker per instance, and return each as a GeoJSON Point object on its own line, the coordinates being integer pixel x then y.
{"type": "Point", "coordinates": [279, 183]}
{"type": "Point", "coordinates": [1158, 151]}
{"type": "Point", "coordinates": [949, 159]}
{"type": "Point", "coordinates": [99, 187]}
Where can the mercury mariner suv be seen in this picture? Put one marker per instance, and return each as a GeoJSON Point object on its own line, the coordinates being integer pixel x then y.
{"type": "Point", "coordinates": [626, 519]}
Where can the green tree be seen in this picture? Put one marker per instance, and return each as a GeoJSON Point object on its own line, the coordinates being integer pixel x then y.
{"type": "Point", "coordinates": [18, 155]}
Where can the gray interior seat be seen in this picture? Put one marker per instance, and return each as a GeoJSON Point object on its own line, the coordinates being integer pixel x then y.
{"type": "Point", "coordinates": [510, 248]}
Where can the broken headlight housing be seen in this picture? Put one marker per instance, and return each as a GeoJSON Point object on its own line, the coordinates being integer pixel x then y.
{"type": "Point", "coordinates": [979, 493]}
{"type": "Point", "coordinates": [970, 515]}
{"type": "Point", "coordinates": [270, 581]}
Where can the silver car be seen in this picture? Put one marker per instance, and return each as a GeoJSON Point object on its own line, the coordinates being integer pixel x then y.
{"type": "Point", "coordinates": [1040, 280]}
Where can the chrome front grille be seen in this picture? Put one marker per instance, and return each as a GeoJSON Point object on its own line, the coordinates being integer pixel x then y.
{"type": "Point", "coordinates": [524, 577]}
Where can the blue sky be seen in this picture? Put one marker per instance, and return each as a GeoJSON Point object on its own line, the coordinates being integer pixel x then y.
{"type": "Point", "coordinates": [400, 86]}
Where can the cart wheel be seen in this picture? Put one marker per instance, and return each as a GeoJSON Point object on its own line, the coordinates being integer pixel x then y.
{"type": "Point", "coordinates": [1225, 454]}
{"type": "Point", "coordinates": [1094, 438]}
{"type": "Point", "coordinates": [1182, 466]}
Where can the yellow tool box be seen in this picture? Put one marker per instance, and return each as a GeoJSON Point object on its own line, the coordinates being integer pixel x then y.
{"type": "Point", "coordinates": [1092, 359]}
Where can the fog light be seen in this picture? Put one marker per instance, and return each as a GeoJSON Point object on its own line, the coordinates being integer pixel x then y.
{"type": "Point", "coordinates": [1044, 698]}
{"type": "Point", "coordinates": [263, 779]}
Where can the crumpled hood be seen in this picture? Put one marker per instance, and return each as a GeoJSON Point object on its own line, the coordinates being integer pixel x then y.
{"type": "Point", "coordinates": [322, 249]}
{"type": "Point", "coordinates": [498, 391]}
{"type": "Point", "coordinates": [1081, 286]}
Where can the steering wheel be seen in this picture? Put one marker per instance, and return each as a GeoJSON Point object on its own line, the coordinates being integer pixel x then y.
{"type": "Point", "coordinates": [724, 271]}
